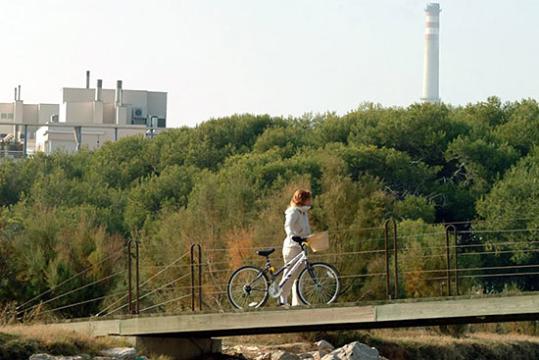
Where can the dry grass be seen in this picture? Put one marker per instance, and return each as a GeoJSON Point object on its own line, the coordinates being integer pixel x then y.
{"type": "Point", "coordinates": [417, 344]}
{"type": "Point", "coordinates": [160, 357]}
{"type": "Point", "coordinates": [423, 344]}
{"type": "Point", "coordinates": [56, 341]}
{"type": "Point", "coordinates": [419, 335]}
{"type": "Point", "coordinates": [431, 337]}
{"type": "Point", "coordinates": [45, 335]}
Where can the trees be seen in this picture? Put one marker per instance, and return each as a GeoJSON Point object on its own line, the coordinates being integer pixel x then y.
{"type": "Point", "coordinates": [423, 131]}
{"type": "Point", "coordinates": [397, 169]}
{"type": "Point", "coordinates": [226, 183]}
{"type": "Point", "coordinates": [168, 190]}
{"type": "Point", "coordinates": [521, 128]}
{"type": "Point", "coordinates": [480, 162]}
{"type": "Point", "coordinates": [514, 200]}
{"type": "Point", "coordinates": [513, 203]}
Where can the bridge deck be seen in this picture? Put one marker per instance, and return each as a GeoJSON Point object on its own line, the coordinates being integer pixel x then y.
{"type": "Point", "coordinates": [398, 314]}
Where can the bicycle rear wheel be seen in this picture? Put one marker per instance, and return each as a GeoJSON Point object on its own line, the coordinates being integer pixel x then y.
{"type": "Point", "coordinates": [248, 288]}
{"type": "Point", "coordinates": [318, 284]}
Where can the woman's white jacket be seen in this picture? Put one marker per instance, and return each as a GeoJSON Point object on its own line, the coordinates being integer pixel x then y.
{"type": "Point", "coordinates": [296, 224]}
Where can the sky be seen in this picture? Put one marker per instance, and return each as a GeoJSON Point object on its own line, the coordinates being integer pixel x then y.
{"type": "Point", "coordinates": [280, 57]}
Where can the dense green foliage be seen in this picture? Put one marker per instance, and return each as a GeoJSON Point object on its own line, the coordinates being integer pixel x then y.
{"type": "Point", "coordinates": [226, 183]}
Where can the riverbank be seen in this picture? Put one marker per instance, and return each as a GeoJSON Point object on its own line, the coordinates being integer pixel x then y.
{"type": "Point", "coordinates": [20, 342]}
{"type": "Point", "coordinates": [395, 344]}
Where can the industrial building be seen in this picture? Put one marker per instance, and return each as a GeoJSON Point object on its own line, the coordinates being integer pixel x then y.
{"type": "Point", "coordinates": [92, 116]}
{"type": "Point", "coordinates": [19, 112]}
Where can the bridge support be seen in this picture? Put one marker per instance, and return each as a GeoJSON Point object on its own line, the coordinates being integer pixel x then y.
{"type": "Point", "coordinates": [178, 348]}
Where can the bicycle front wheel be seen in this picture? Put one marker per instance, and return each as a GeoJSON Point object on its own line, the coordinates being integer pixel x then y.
{"type": "Point", "coordinates": [318, 283]}
{"type": "Point", "coordinates": [248, 288]}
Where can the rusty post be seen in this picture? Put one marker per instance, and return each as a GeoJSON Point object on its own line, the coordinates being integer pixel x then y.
{"type": "Point", "coordinates": [396, 250]}
{"type": "Point", "coordinates": [453, 229]}
{"type": "Point", "coordinates": [448, 260]}
{"type": "Point", "coordinates": [199, 260]}
{"type": "Point", "coordinates": [456, 264]}
{"type": "Point", "coordinates": [448, 256]}
{"type": "Point", "coordinates": [386, 251]}
{"type": "Point", "coordinates": [129, 276]}
{"type": "Point", "coordinates": [192, 278]}
{"type": "Point", "coordinates": [137, 276]}
{"type": "Point", "coordinates": [199, 278]}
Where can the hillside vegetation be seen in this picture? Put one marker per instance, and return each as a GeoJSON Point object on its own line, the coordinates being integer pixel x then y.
{"type": "Point", "coordinates": [226, 183]}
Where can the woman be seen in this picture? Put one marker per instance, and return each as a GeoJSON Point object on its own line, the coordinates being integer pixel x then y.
{"type": "Point", "coordinates": [296, 224]}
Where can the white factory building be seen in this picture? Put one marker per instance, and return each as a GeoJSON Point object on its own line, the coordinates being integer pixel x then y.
{"type": "Point", "coordinates": [19, 112]}
{"type": "Point", "coordinates": [92, 116]}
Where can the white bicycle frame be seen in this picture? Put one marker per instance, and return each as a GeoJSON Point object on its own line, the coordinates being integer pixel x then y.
{"type": "Point", "coordinates": [295, 263]}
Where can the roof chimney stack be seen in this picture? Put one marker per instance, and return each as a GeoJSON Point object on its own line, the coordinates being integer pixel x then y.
{"type": "Point", "coordinates": [19, 93]}
{"type": "Point", "coordinates": [15, 98]}
{"type": "Point", "coordinates": [87, 79]}
{"type": "Point", "coordinates": [99, 90]}
{"type": "Point", "coordinates": [118, 97]}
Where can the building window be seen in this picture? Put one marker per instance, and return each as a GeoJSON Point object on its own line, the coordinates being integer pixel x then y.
{"type": "Point", "coordinates": [3, 116]}
{"type": "Point", "coordinates": [10, 116]}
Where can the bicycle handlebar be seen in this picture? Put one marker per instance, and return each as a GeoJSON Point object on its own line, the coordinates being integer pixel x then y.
{"type": "Point", "coordinates": [299, 239]}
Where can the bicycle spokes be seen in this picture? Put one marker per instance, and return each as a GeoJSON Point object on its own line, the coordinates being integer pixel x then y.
{"type": "Point", "coordinates": [318, 284]}
{"type": "Point", "coordinates": [247, 288]}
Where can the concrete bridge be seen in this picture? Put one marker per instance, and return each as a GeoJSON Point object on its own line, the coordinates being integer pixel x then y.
{"type": "Point", "coordinates": [187, 336]}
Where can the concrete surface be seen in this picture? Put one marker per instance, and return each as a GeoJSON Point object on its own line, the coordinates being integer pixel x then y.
{"type": "Point", "coordinates": [397, 314]}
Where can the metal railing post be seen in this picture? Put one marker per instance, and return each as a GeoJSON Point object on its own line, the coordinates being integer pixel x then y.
{"type": "Point", "coordinates": [199, 259]}
{"type": "Point", "coordinates": [129, 276]}
{"type": "Point", "coordinates": [396, 250]}
{"type": "Point", "coordinates": [448, 229]}
{"type": "Point", "coordinates": [137, 276]}
{"type": "Point", "coordinates": [456, 263]}
{"type": "Point", "coordinates": [386, 251]}
{"type": "Point", "coordinates": [199, 278]}
{"type": "Point", "coordinates": [192, 278]}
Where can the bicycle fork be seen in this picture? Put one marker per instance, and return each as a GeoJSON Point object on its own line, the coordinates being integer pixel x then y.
{"type": "Point", "coordinates": [313, 275]}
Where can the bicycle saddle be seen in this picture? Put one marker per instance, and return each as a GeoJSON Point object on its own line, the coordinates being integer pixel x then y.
{"type": "Point", "coordinates": [265, 252]}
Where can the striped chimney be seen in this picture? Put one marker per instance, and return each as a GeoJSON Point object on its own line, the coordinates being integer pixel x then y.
{"type": "Point", "coordinates": [431, 70]}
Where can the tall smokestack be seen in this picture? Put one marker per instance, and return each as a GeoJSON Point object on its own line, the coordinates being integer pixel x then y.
{"type": "Point", "coordinates": [118, 95]}
{"type": "Point", "coordinates": [431, 70]}
{"type": "Point", "coordinates": [19, 93]}
{"type": "Point", "coordinates": [99, 90]}
{"type": "Point", "coordinates": [15, 93]}
{"type": "Point", "coordinates": [87, 79]}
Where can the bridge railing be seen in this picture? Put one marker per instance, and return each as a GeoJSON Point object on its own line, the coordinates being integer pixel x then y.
{"type": "Point", "coordinates": [395, 260]}
{"type": "Point", "coordinates": [390, 262]}
{"type": "Point", "coordinates": [81, 294]}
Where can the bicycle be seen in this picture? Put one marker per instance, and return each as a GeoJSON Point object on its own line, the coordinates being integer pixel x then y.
{"type": "Point", "coordinates": [249, 287]}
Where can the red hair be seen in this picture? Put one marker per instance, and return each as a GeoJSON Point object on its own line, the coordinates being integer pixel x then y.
{"type": "Point", "coordinates": [300, 197]}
